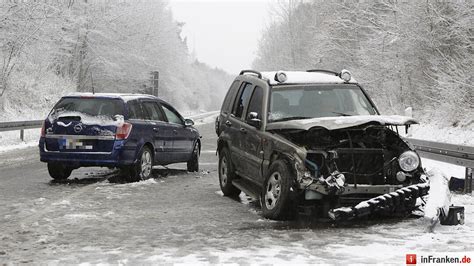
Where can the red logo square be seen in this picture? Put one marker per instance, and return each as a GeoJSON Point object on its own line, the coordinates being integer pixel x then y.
{"type": "Point", "coordinates": [411, 259]}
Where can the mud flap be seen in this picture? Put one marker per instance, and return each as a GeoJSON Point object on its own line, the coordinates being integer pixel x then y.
{"type": "Point", "coordinates": [386, 202]}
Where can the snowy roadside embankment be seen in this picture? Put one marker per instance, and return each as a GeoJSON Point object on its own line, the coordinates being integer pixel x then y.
{"type": "Point", "coordinates": [454, 135]}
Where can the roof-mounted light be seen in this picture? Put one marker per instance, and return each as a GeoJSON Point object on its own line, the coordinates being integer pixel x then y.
{"type": "Point", "coordinates": [280, 76]}
{"type": "Point", "coordinates": [345, 75]}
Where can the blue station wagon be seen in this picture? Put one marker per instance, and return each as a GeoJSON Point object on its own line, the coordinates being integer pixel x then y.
{"type": "Point", "coordinates": [132, 132]}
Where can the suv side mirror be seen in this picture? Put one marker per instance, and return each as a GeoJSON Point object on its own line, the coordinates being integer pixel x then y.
{"type": "Point", "coordinates": [188, 122]}
{"type": "Point", "coordinates": [253, 120]}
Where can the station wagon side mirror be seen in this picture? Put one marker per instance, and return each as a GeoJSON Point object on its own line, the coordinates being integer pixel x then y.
{"type": "Point", "coordinates": [253, 120]}
{"type": "Point", "coordinates": [188, 122]}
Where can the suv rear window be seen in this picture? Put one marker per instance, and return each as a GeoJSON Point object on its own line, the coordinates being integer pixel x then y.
{"type": "Point", "coordinates": [227, 104]}
{"type": "Point", "coordinates": [90, 106]}
{"type": "Point", "coordinates": [242, 101]}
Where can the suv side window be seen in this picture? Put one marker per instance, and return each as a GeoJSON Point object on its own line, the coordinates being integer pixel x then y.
{"type": "Point", "coordinates": [135, 110]}
{"type": "Point", "coordinates": [172, 116]}
{"type": "Point", "coordinates": [242, 100]}
{"type": "Point", "coordinates": [227, 105]}
{"type": "Point", "coordinates": [255, 104]}
{"type": "Point", "coordinates": [153, 111]}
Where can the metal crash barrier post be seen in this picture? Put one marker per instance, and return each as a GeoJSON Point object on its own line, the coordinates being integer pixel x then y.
{"type": "Point", "coordinates": [468, 181]}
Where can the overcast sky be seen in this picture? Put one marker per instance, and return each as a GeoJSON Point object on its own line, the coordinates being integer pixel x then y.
{"type": "Point", "coordinates": [224, 33]}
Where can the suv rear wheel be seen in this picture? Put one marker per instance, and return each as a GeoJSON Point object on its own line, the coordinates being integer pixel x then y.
{"type": "Point", "coordinates": [59, 171]}
{"type": "Point", "coordinates": [226, 174]}
{"type": "Point", "coordinates": [277, 200]}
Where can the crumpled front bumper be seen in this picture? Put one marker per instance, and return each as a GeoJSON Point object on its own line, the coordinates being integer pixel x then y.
{"type": "Point", "coordinates": [399, 199]}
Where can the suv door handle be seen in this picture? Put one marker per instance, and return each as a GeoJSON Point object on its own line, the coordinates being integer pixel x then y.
{"type": "Point", "coordinates": [228, 123]}
{"type": "Point", "coordinates": [156, 129]}
{"type": "Point", "coordinates": [243, 130]}
{"type": "Point", "coordinates": [175, 132]}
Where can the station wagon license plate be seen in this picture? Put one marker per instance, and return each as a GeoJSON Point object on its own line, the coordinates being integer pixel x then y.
{"type": "Point", "coordinates": [73, 144]}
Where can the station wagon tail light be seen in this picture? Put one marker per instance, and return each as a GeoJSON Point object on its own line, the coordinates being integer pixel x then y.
{"type": "Point", "coordinates": [345, 75]}
{"type": "Point", "coordinates": [280, 76]}
{"type": "Point", "coordinates": [123, 131]}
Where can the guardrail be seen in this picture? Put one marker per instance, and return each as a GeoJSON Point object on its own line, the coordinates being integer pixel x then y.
{"type": "Point", "coordinates": [449, 153]}
{"type": "Point", "coordinates": [20, 125]}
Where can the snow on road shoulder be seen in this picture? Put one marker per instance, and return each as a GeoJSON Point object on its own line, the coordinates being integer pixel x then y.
{"type": "Point", "coordinates": [453, 135]}
{"type": "Point", "coordinates": [439, 197]}
{"type": "Point", "coordinates": [16, 146]}
{"type": "Point", "coordinates": [10, 140]}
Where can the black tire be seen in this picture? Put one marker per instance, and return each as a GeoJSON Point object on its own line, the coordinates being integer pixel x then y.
{"type": "Point", "coordinates": [59, 171]}
{"type": "Point", "coordinates": [193, 163]}
{"type": "Point", "coordinates": [227, 174]}
{"type": "Point", "coordinates": [142, 170]}
{"type": "Point", "coordinates": [278, 195]}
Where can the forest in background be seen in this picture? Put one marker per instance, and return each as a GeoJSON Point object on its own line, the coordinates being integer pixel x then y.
{"type": "Point", "coordinates": [51, 48]}
{"type": "Point", "coordinates": [416, 54]}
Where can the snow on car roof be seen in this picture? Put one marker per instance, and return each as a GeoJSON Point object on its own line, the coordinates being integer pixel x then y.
{"type": "Point", "coordinates": [301, 77]}
{"type": "Point", "coordinates": [123, 96]}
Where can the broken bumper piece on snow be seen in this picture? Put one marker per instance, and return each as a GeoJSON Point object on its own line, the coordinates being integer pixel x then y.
{"type": "Point", "coordinates": [398, 200]}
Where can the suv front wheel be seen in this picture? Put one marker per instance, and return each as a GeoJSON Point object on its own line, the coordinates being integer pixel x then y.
{"type": "Point", "coordinates": [277, 194]}
{"type": "Point", "coordinates": [226, 174]}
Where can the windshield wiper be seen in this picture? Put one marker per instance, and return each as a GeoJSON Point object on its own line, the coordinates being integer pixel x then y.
{"type": "Point", "coordinates": [290, 118]}
{"type": "Point", "coordinates": [342, 114]}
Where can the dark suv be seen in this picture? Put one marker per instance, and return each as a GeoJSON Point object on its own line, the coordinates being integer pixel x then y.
{"type": "Point", "coordinates": [314, 141]}
{"type": "Point", "coordinates": [130, 131]}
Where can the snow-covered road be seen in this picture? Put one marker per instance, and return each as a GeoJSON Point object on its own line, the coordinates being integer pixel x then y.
{"type": "Point", "coordinates": [179, 217]}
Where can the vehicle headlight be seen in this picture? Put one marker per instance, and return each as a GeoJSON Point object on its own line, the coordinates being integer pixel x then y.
{"type": "Point", "coordinates": [409, 161]}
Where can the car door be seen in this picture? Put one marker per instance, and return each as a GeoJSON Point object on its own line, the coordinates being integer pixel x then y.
{"type": "Point", "coordinates": [183, 137]}
{"type": "Point", "coordinates": [140, 127]}
{"type": "Point", "coordinates": [234, 125]}
{"type": "Point", "coordinates": [161, 133]}
{"type": "Point", "coordinates": [251, 136]}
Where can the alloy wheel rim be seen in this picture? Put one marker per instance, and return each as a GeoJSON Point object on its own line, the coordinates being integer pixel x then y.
{"type": "Point", "coordinates": [196, 152]}
{"type": "Point", "coordinates": [273, 190]}
{"type": "Point", "coordinates": [146, 164]}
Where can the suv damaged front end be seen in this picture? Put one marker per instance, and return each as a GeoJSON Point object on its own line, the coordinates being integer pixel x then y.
{"type": "Point", "coordinates": [354, 166]}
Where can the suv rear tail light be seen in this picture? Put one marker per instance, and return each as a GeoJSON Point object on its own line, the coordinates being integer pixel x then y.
{"type": "Point", "coordinates": [43, 129]}
{"type": "Point", "coordinates": [123, 131]}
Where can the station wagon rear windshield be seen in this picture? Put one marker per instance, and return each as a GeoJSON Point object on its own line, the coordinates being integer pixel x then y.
{"type": "Point", "coordinates": [312, 101]}
{"type": "Point", "coordinates": [90, 106]}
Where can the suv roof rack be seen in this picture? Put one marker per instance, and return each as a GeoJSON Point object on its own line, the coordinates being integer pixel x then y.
{"type": "Point", "coordinates": [259, 75]}
{"type": "Point", "coordinates": [324, 71]}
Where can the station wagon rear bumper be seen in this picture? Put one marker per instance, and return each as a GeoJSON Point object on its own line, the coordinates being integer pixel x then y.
{"type": "Point", "coordinates": [121, 154]}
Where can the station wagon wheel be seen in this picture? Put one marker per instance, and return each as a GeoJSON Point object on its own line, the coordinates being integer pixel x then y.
{"type": "Point", "coordinates": [58, 171]}
{"type": "Point", "coordinates": [193, 163]}
{"type": "Point", "coordinates": [278, 198]}
{"type": "Point", "coordinates": [226, 174]}
{"type": "Point", "coordinates": [146, 164]}
{"type": "Point", "coordinates": [142, 169]}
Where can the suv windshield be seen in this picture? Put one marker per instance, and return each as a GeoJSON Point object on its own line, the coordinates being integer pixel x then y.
{"type": "Point", "coordinates": [311, 101]}
{"type": "Point", "coordinates": [89, 106]}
